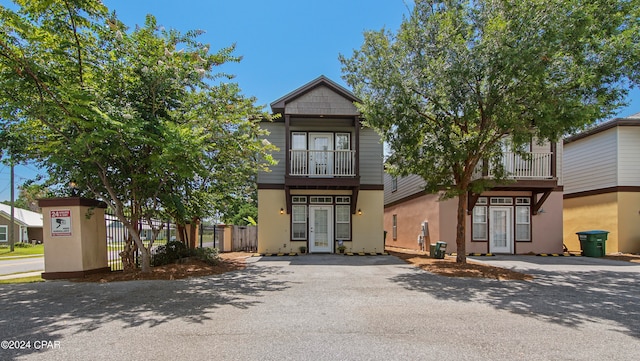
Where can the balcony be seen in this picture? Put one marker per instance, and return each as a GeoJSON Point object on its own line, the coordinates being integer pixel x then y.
{"type": "Point", "coordinates": [529, 166]}
{"type": "Point", "coordinates": [322, 163]}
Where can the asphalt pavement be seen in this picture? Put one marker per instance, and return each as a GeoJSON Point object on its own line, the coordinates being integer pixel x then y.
{"type": "Point", "coordinates": [329, 307]}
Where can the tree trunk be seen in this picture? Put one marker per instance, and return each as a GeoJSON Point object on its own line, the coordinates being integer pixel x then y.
{"type": "Point", "coordinates": [145, 262]}
{"type": "Point", "coordinates": [461, 229]}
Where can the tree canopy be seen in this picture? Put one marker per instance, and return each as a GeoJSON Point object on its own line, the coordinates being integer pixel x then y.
{"type": "Point", "coordinates": [460, 75]}
{"type": "Point", "coordinates": [137, 118]}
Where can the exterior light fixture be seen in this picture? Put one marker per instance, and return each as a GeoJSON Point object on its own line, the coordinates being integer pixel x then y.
{"type": "Point", "coordinates": [359, 211]}
{"type": "Point", "coordinates": [281, 210]}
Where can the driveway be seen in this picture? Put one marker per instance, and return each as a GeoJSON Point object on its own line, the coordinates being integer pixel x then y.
{"type": "Point", "coordinates": [329, 307]}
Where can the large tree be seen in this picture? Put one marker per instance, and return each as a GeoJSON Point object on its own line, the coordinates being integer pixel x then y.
{"type": "Point", "coordinates": [459, 76]}
{"type": "Point", "coordinates": [138, 119]}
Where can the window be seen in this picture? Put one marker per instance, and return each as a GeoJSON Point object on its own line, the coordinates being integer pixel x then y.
{"type": "Point", "coordinates": [395, 227]}
{"type": "Point", "coordinates": [298, 140]}
{"type": "Point", "coordinates": [343, 141]}
{"type": "Point", "coordinates": [343, 200]}
{"type": "Point", "coordinates": [523, 220]}
{"type": "Point", "coordinates": [299, 222]}
{"type": "Point", "coordinates": [4, 234]}
{"type": "Point", "coordinates": [394, 184]}
{"type": "Point", "coordinates": [343, 222]}
{"type": "Point", "coordinates": [299, 199]}
{"type": "Point", "coordinates": [497, 201]}
{"type": "Point", "coordinates": [322, 200]}
{"type": "Point", "coordinates": [480, 223]}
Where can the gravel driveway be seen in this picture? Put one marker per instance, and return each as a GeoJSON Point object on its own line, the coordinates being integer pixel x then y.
{"type": "Point", "coordinates": [329, 307]}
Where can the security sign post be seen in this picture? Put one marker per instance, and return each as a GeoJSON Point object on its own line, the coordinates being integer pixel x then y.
{"type": "Point", "coordinates": [60, 223]}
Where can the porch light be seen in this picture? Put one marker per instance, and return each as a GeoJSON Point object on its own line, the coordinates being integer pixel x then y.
{"type": "Point", "coordinates": [281, 210]}
{"type": "Point", "coordinates": [359, 211]}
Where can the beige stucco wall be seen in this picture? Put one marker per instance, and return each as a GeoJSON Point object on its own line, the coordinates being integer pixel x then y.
{"type": "Point", "coordinates": [629, 222]}
{"type": "Point", "coordinates": [410, 215]}
{"type": "Point", "coordinates": [618, 213]}
{"type": "Point", "coordinates": [589, 213]}
{"type": "Point", "coordinates": [273, 227]}
{"type": "Point", "coordinates": [546, 228]}
{"type": "Point", "coordinates": [368, 228]}
{"type": "Point", "coordinates": [85, 249]}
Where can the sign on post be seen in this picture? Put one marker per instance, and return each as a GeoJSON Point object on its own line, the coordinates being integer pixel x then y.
{"type": "Point", "coordinates": [60, 223]}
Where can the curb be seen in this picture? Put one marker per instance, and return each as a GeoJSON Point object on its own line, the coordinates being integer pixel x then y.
{"type": "Point", "coordinates": [21, 275]}
{"type": "Point", "coordinates": [557, 255]}
{"type": "Point", "coordinates": [481, 255]}
{"type": "Point", "coordinates": [366, 254]}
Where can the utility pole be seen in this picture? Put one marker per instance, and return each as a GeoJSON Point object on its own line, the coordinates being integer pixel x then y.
{"type": "Point", "coordinates": [11, 225]}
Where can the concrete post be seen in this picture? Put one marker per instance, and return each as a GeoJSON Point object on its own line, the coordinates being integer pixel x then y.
{"type": "Point", "coordinates": [75, 237]}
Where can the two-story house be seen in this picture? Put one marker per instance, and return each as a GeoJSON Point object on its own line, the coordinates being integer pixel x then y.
{"type": "Point", "coordinates": [602, 184]}
{"type": "Point", "coordinates": [327, 187]}
{"type": "Point", "coordinates": [518, 217]}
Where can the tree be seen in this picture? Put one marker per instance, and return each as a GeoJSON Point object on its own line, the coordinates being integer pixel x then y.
{"type": "Point", "coordinates": [137, 118]}
{"type": "Point", "coordinates": [459, 76]}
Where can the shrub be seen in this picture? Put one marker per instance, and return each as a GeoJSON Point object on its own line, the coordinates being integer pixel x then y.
{"type": "Point", "coordinates": [169, 253]}
{"type": "Point", "coordinates": [175, 250]}
{"type": "Point", "coordinates": [23, 245]}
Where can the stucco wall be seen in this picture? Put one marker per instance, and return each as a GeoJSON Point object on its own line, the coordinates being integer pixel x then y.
{"type": "Point", "coordinates": [629, 222]}
{"type": "Point", "coordinates": [273, 227]}
{"type": "Point", "coordinates": [410, 215]}
{"type": "Point", "coordinates": [368, 230]}
{"type": "Point", "coordinates": [589, 213]}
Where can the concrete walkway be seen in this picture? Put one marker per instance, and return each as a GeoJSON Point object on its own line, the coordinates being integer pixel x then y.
{"type": "Point", "coordinates": [328, 308]}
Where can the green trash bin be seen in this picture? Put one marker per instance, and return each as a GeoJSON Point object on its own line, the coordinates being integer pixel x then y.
{"type": "Point", "coordinates": [440, 249]}
{"type": "Point", "coordinates": [593, 243]}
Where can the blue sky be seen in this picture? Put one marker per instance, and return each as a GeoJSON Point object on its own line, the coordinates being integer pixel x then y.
{"type": "Point", "coordinates": [284, 43]}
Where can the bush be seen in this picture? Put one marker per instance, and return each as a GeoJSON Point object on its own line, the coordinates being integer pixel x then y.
{"type": "Point", "coordinates": [175, 250]}
{"type": "Point", "coordinates": [23, 245]}
{"type": "Point", "coordinates": [169, 253]}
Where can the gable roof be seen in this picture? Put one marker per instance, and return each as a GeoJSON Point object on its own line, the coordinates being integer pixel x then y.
{"type": "Point", "coordinates": [22, 216]}
{"type": "Point", "coordinates": [632, 120]}
{"type": "Point", "coordinates": [278, 106]}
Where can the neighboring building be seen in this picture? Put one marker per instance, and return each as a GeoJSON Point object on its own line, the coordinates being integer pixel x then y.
{"type": "Point", "coordinates": [523, 216]}
{"type": "Point", "coordinates": [27, 225]}
{"type": "Point", "coordinates": [602, 184]}
{"type": "Point", "coordinates": [327, 187]}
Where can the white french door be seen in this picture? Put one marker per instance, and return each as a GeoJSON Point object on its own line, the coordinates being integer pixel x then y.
{"type": "Point", "coordinates": [320, 154]}
{"type": "Point", "coordinates": [500, 229]}
{"type": "Point", "coordinates": [320, 229]}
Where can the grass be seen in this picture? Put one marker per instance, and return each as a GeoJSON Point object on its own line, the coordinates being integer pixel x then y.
{"type": "Point", "coordinates": [36, 250]}
{"type": "Point", "coordinates": [31, 279]}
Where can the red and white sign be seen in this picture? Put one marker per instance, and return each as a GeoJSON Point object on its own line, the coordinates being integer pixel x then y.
{"type": "Point", "coordinates": [60, 223]}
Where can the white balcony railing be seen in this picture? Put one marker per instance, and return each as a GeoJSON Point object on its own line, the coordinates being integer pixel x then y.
{"type": "Point", "coordinates": [322, 163]}
{"type": "Point", "coordinates": [530, 166]}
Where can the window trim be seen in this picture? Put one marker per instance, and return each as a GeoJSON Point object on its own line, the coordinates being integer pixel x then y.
{"type": "Point", "coordinates": [6, 233]}
{"type": "Point", "coordinates": [348, 222]}
{"type": "Point", "coordinates": [475, 225]}
{"type": "Point", "coordinates": [394, 184]}
{"type": "Point", "coordinates": [306, 222]}
{"type": "Point", "coordinates": [515, 223]}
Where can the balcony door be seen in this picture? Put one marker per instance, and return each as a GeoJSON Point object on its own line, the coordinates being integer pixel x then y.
{"type": "Point", "coordinates": [320, 154]}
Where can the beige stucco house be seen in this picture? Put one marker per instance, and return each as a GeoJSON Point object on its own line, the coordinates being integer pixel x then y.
{"type": "Point", "coordinates": [327, 188]}
{"type": "Point", "coordinates": [602, 184]}
{"type": "Point", "coordinates": [523, 216]}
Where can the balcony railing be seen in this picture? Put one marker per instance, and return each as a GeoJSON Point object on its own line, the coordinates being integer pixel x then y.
{"type": "Point", "coordinates": [322, 163]}
{"type": "Point", "coordinates": [530, 166]}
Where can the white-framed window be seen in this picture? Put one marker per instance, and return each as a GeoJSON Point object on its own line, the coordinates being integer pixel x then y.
{"type": "Point", "coordinates": [395, 227]}
{"type": "Point", "coordinates": [299, 199]}
{"type": "Point", "coordinates": [4, 234]}
{"type": "Point", "coordinates": [480, 229]}
{"type": "Point", "coordinates": [523, 200]}
{"type": "Point", "coordinates": [394, 184]}
{"type": "Point", "coordinates": [321, 199]}
{"type": "Point", "coordinates": [497, 201]}
{"type": "Point", "coordinates": [343, 200]}
{"type": "Point", "coordinates": [299, 222]}
{"type": "Point", "coordinates": [523, 223]}
{"type": "Point", "coordinates": [343, 222]}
